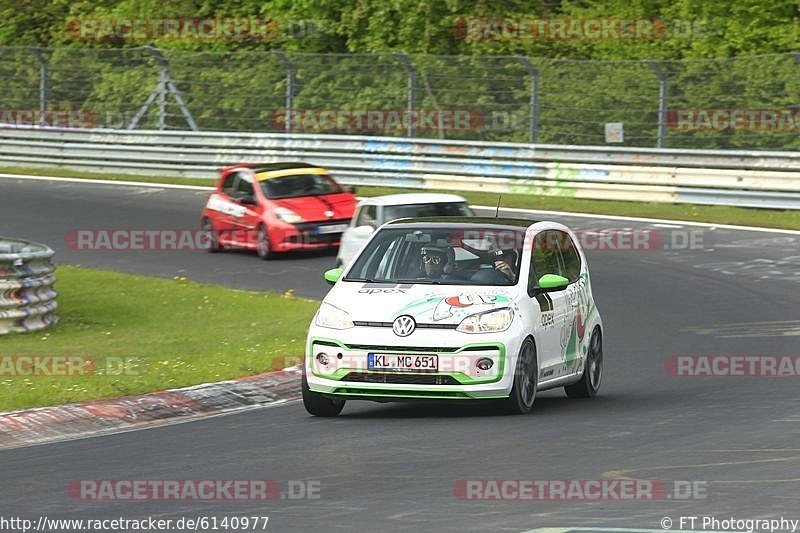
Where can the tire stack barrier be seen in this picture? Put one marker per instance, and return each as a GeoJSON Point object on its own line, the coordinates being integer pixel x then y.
{"type": "Point", "coordinates": [27, 298]}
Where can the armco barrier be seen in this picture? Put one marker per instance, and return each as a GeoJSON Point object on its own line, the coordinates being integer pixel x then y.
{"type": "Point", "coordinates": [741, 178]}
{"type": "Point", "coordinates": [27, 298]}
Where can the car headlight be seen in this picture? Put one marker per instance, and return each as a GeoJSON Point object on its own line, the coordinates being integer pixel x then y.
{"type": "Point", "coordinates": [330, 316]}
{"type": "Point", "coordinates": [287, 215]}
{"type": "Point", "coordinates": [488, 322]}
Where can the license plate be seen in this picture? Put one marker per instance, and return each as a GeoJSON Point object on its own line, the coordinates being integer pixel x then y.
{"type": "Point", "coordinates": [334, 228]}
{"type": "Point", "coordinates": [404, 363]}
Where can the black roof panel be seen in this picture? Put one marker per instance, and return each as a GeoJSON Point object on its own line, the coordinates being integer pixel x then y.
{"type": "Point", "coordinates": [474, 221]}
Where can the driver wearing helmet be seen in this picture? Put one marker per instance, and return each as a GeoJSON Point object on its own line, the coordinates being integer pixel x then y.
{"type": "Point", "coordinates": [438, 261]}
{"type": "Point", "coordinates": [502, 263]}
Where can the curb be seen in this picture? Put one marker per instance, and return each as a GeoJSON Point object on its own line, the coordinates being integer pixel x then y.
{"type": "Point", "coordinates": [67, 422]}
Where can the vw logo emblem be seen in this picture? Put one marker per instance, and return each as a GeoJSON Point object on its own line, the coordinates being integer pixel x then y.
{"type": "Point", "coordinates": [403, 326]}
{"type": "Point", "coordinates": [329, 214]}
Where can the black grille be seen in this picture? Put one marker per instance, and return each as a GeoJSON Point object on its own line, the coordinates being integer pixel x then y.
{"type": "Point", "coordinates": [308, 232]}
{"type": "Point", "coordinates": [389, 324]}
{"type": "Point", "coordinates": [400, 379]}
{"type": "Point", "coordinates": [421, 349]}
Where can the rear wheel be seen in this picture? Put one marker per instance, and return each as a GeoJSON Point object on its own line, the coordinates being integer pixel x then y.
{"type": "Point", "coordinates": [589, 384]}
{"type": "Point", "coordinates": [526, 380]}
{"type": "Point", "coordinates": [212, 238]}
{"type": "Point", "coordinates": [318, 404]}
{"type": "Point", "coordinates": [263, 246]}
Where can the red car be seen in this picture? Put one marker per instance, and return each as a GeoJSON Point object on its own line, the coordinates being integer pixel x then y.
{"type": "Point", "coordinates": [276, 207]}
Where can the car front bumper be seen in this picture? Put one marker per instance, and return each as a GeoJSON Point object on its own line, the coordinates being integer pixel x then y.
{"type": "Point", "coordinates": [458, 377]}
{"type": "Point", "coordinates": [286, 237]}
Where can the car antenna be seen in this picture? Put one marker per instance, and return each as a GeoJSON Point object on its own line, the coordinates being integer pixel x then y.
{"type": "Point", "coordinates": [497, 210]}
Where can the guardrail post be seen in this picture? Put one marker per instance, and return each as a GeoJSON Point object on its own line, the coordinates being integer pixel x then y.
{"type": "Point", "coordinates": [42, 81]}
{"type": "Point", "coordinates": [663, 88]}
{"type": "Point", "coordinates": [412, 87]}
{"type": "Point", "coordinates": [290, 82]}
{"type": "Point", "coordinates": [165, 85]}
{"type": "Point", "coordinates": [534, 103]}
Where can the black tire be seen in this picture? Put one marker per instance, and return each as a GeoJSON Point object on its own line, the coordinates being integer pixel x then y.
{"type": "Point", "coordinates": [263, 246]}
{"type": "Point", "coordinates": [589, 384]}
{"type": "Point", "coordinates": [317, 404]}
{"type": "Point", "coordinates": [213, 237]}
{"type": "Point", "coordinates": [526, 380]}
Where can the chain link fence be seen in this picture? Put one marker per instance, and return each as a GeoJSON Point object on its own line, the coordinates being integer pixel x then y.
{"type": "Point", "coordinates": [735, 103]}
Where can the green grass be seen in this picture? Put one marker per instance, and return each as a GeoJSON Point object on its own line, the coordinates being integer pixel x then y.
{"type": "Point", "coordinates": [172, 332]}
{"type": "Point", "coordinates": [768, 218]}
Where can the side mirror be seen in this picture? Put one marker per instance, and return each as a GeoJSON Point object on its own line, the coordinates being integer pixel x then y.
{"type": "Point", "coordinates": [248, 200]}
{"type": "Point", "coordinates": [333, 275]}
{"type": "Point", "coordinates": [362, 231]}
{"type": "Point", "coordinates": [550, 282]}
{"type": "Point", "coordinates": [351, 189]}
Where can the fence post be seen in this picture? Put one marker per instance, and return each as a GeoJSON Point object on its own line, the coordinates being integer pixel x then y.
{"type": "Point", "coordinates": [42, 81]}
{"type": "Point", "coordinates": [663, 88]}
{"type": "Point", "coordinates": [534, 102]}
{"type": "Point", "coordinates": [412, 86]}
{"type": "Point", "coordinates": [290, 80]}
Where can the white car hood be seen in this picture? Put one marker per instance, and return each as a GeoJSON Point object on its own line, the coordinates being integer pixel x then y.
{"type": "Point", "coordinates": [429, 304]}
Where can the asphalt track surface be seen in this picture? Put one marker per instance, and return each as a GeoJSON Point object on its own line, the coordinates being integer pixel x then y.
{"type": "Point", "coordinates": [394, 466]}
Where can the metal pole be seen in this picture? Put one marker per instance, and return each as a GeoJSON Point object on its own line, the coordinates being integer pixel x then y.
{"type": "Point", "coordinates": [663, 93]}
{"type": "Point", "coordinates": [182, 104]}
{"type": "Point", "coordinates": [42, 81]}
{"type": "Point", "coordinates": [290, 82]}
{"type": "Point", "coordinates": [162, 100]}
{"type": "Point", "coordinates": [411, 92]}
{"type": "Point", "coordinates": [534, 101]}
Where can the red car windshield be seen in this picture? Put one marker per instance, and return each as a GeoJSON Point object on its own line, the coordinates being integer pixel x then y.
{"type": "Point", "coordinates": [299, 185]}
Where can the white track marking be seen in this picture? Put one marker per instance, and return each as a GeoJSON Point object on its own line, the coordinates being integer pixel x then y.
{"type": "Point", "coordinates": [492, 208]}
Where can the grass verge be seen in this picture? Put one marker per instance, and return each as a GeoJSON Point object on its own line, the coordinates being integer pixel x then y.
{"type": "Point", "coordinates": [170, 333]}
{"type": "Point", "coordinates": [768, 218]}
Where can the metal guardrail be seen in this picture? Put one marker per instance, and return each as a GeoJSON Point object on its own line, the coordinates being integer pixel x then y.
{"type": "Point", "coordinates": [740, 178]}
{"type": "Point", "coordinates": [27, 297]}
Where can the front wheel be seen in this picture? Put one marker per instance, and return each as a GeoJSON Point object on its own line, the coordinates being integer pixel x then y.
{"type": "Point", "coordinates": [318, 404]}
{"type": "Point", "coordinates": [263, 246]}
{"type": "Point", "coordinates": [213, 238]}
{"type": "Point", "coordinates": [526, 380]}
{"type": "Point", "coordinates": [589, 384]}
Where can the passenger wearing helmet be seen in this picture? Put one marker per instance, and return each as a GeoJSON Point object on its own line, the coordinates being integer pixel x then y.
{"type": "Point", "coordinates": [438, 262]}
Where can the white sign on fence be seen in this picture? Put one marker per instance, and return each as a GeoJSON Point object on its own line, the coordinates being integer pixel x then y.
{"type": "Point", "coordinates": [614, 132]}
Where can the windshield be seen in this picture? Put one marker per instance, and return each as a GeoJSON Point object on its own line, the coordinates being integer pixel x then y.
{"type": "Point", "coordinates": [441, 255]}
{"type": "Point", "coordinates": [444, 209]}
{"type": "Point", "coordinates": [299, 185]}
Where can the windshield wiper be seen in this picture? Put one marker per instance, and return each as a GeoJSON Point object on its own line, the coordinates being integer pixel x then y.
{"type": "Point", "coordinates": [420, 281]}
